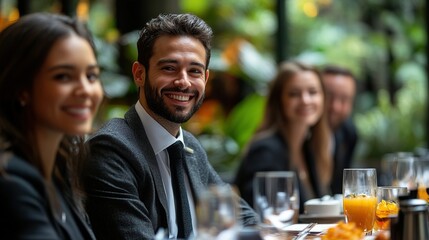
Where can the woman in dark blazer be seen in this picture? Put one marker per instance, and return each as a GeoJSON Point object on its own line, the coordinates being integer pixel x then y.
{"type": "Point", "coordinates": [294, 135]}
{"type": "Point", "coordinates": [49, 94]}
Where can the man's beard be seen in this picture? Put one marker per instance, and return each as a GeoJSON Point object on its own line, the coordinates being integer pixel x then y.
{"type": "Point", "coordinates": [157, 105]}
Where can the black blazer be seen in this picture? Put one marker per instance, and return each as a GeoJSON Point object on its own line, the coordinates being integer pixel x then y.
{"type": "Point", "coordinates": [25, 211]}
{"type": "Point", "coordinates": [126, 197]}
{"type": "Point", "coordinates": [270, 153]}
{"type": "Point", "coordinates": [345, 142]}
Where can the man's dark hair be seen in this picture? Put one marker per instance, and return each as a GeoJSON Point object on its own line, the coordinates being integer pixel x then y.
{"type": "Point", "coordinates": [172, 25]}
{"type": "Point", "coordinates": [337, 70]}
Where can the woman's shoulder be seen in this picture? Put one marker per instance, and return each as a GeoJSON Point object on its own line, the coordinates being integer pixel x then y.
{"type": "Point", "coordinates": [23, 203]}
{"type": "Point", "coordinates": [15, 165]}
{"type": "Point", "coordinates": [269, 139]}
{"type": "Point", "coordinates": [270, 147]}
{"type": "Point", "coordinates": [17, 175]}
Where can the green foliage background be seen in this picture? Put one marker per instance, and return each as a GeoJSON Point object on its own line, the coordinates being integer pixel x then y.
{"type": "Point", "coordinates": [382, 42]}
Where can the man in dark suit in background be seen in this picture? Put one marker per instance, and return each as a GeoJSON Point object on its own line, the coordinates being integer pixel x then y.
{"type": "Point", "coordinates": [136, 184]}
{"type": "Point", "coordinates": [340, 86]}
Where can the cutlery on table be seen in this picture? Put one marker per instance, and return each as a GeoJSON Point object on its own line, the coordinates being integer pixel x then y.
{"type": "Point", "coordinates": [304, 232]}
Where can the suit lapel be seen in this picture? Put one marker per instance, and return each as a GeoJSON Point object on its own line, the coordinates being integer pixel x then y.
{"type": "Point", "coordinates": [147, 153]}
{"type": "Point", "coordinates": [192, 172]}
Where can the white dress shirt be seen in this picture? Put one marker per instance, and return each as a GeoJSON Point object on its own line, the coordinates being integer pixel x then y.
{"type": "Point", "coordinates": [160, 139]}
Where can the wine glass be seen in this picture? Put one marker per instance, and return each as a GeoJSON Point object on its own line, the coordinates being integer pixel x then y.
{"type": "Point", "coordinates": [276, 198]}
{"type": "Point", "coordinates": [360, 197]}
{"type": "Point", "coordinates": [217, 213]}
{"type": "Point", "coordinates": [398, 169]}
{"type": "Point", "coordinates": [405, 172]}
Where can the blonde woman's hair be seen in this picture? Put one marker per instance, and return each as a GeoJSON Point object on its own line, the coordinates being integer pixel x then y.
{"type": "Point", "coordinates": [274, 118]}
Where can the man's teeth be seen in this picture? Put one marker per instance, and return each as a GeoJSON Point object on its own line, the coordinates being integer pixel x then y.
{"type": "Point", "coordinates": [180, 97]}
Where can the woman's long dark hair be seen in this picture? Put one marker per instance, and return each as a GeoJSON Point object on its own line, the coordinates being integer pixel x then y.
{"type": "Point", "coordinates": [24, 47]}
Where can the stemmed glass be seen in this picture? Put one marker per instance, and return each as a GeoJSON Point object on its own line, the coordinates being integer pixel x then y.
{"type": "Point", "coordinates": [360, 197]}
{"type": "Point", "coordinates": [405, 172]}
{"type": "Point", "coordinates": [276, 198]}
{"type": "Point", "coordinates": [399, 169]}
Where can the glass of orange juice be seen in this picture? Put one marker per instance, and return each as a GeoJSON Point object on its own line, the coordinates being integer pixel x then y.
{"type": "Point", "coordinates": [422, 179]}
{"type": "Point", "coordinates": [387, 205]}
{"type": "Point", "coordinates": [360, 197]}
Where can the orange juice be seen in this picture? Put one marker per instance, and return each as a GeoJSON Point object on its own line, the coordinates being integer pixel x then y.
{"type": "Point", "coordinates": [383, 211]}
{"type": "Point", "coordinates": [360, 209]}
{"type": "Point", "coordinates": [422, 193]}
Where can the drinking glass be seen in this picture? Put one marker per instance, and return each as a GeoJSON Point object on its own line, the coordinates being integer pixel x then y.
{"type": "Point", "coordinates": [387, 205]}
{"type": "Point", "coordinates": [406, 170]}
{"type": "Point", "coordinates": [360, 197]}
{"type": "Point", "coordinates": [217, 213]}
{"type": "Point", "coordinates": [398, 169]}
{"type": "Point", "coordinates": [276, 198]}
{"type": "Point", "coordinates": [422, 179]}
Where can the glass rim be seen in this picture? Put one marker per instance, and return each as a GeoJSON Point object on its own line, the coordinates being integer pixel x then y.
{"type": "Point", "coordinates": [391, 187]}
{"type": "Point", "coordinates": [275, 174]}
{"type": "Point", "coordinates": [353, 169]}
{"type": "Point", "coordinates": [404, 159]}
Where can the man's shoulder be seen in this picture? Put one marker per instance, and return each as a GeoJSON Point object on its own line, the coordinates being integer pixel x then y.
{"type": "Point", "coordinates": [347, 132]}
{"type": "Point", "coordinates": [348, 127]}
{"type": "Point", "coordinates": [112, 125]}
{"type": "Point", "coordinates": [115, 125]}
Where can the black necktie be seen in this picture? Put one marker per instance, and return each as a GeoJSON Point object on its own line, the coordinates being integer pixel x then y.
{"type": "Point", "coordinates": [183, 213]}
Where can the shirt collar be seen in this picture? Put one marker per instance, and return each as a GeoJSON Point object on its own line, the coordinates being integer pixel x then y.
{"type": "Point", "coordinates": [158, 136]}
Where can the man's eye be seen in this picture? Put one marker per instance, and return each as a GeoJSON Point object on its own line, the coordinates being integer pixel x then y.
{"type": "Point", "coordinates": [195, 71]}
{"type": "Point", "coordinates": [168, 68]}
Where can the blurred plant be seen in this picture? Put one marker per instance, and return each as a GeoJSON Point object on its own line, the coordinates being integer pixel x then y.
{"type": "Point", "coordinates": [401, 127]}
{"type": "Point", "coordinates": [117, 84]}
{"type": "Point", "coordinates": [382, 42]}
{"type": "Point", "coordinates": [252, 20]}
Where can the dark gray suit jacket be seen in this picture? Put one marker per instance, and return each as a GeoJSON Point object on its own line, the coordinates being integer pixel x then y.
{"type": "Point", "coordinates": [126, 197]}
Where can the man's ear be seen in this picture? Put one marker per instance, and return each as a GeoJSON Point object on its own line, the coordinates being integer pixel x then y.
{"type": "Point", "coordinates": [207, 75]}
{"type": "Point", "coordinates": [139, 74]}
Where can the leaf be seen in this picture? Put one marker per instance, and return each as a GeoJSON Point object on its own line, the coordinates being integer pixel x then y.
{"type": "Point", "coordinates": [245, 118]}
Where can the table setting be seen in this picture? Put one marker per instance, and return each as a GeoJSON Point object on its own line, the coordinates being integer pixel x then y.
{"type": "Point", "coordinates": [364, 210]}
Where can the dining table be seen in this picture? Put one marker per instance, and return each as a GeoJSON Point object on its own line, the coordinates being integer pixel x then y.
{"type": "Point", "coordinates": [293, 231]}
